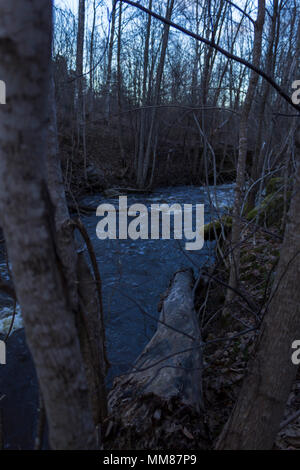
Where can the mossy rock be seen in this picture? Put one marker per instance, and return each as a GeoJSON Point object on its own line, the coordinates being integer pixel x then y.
{"type": "Point", "coordinates": [271, 209]}
{"type": "Point", "coordinates": [215, 227]}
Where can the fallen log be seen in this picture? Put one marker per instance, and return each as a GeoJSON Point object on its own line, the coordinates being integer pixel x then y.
{"type": "Point", "coordinates": [159, 405]}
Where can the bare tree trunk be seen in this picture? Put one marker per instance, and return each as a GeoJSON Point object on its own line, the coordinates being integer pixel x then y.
{"type": "Point", "coordinates": [257, 415]}
{"type": "Point", "coordinates": [81, 285]}
{"type": "Point", "coordinates": [91, 89]}
{"type": "Point", "coordinates": [79, 52]}
{"type": "Point", "coordinates": [29, 226]}
{"type": "Point", "coordinates": [119, 90]}
{"type": "Point", "coordinates": [143, 120]}
{"type": "Point", "coordinates": [109, 64]}
{"type": "Point", "coordinates": [194, 84]}
{"type": "Point", "coordinates": [243, 145]}
{"type": "Point", "coordinates": [153, 123]}
{"type": "Point", "coordinates": [80, 105]}
{"type": "Point", "coordinates": [257, 162]}
{"type": "Point", "coordinates": [209, 51]}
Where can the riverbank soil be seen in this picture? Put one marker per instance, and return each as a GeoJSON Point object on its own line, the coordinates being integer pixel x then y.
{"type": "Point", "coordinates": [230, 341]}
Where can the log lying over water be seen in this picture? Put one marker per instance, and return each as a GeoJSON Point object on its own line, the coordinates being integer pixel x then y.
{"type": "Point", "coordinates": [159, 405]}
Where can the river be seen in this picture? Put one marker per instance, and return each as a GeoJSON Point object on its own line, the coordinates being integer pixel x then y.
{"type": "Point", "coordinates": [133, 272]}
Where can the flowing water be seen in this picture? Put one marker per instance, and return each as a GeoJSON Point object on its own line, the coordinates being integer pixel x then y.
{"type": "Point", "coordinates": [135, 273]}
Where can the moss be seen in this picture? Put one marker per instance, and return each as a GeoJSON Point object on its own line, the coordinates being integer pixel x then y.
{"type": "Point", "coordinates": [259, 249]}
{"type": "Point", "coordinates": [273, 185]}
{"type": "Point", "coordinates": [271, 209]}
{"type": "Point", "coordinates": [215, 227]}
{"type": "Point", "coordinates": [248, 258]}
{"type": "Point", "coordinates": [275, 253]}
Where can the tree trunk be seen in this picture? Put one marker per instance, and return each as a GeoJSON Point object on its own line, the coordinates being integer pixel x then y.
{"type": "Point", "coordinates": [91, 88]}
{"type": "Point", "coordinates": [29, 226]}
{"type": "Point", "coordinates": [143, 170]}
{"type": "Point", "coordinates": [143, 112]}
{"type": "Point", "coordinates": [257, 163]}
{"type": "Point", "coordinates": [243, 145]}
{"type": "Point", "coordinates": [256, 417]}
{"type": "Point", "coordinates": [81, 285]}
{"type": "Point", "coordinates": [119, 86]}
{"type": "Point", "coordinates": [109, 64]}
{"type": "Point", "coordinates": [80, 105]}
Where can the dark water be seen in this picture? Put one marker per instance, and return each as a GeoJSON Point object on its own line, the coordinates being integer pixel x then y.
{"type": "Point", "coordinates": [131, 271]}
{"type": "Point", "coordinates": [141, 270]}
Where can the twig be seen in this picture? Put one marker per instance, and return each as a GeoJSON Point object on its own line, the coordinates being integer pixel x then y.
{"type": "Point", "coordinates": [219, 49]}
{"type": "Point", "coordinates": [76, 223]}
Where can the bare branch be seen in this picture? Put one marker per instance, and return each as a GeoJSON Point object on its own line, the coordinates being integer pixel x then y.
{"type": "Point", "coordinates": [227, 54]}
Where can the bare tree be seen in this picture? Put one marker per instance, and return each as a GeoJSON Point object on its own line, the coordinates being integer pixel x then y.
{"type": "Point", "coordinates": [29, 226]}
{"type": "Point", "coordinates": [144, 164]}
{"type": "Point", "coordinates": [243, 145]}
{"type": "Point", "coordinates": [107, 90]}
{"type": "Point", "coordinates": [79, 96]}
{"type": "Point", "coordinates": [257, 164]}
{"type": "Point", "coordinates": [82, 291]}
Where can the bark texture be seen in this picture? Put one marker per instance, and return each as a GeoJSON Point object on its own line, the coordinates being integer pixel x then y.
{"type": "Point", "coordinates": [81, 286]}
{"type": "Point", "coordinates": [29, 226]}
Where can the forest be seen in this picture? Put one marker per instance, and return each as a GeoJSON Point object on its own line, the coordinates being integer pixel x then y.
{"type": "Point", "coordinates": [149, 225]}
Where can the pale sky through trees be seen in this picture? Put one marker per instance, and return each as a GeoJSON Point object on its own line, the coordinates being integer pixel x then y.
{"type": "Point", "coordinates": [73, 5]}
